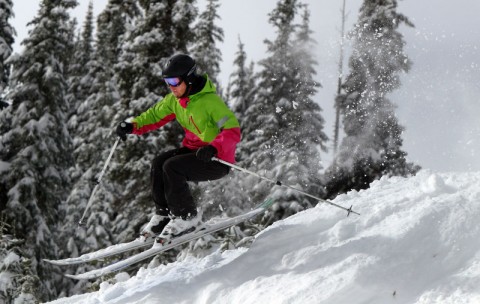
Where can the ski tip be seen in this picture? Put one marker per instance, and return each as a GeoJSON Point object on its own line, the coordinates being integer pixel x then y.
{"type": "Point", "coordinates": [83, 276]}
{"type": "Point", "coordinates": [54, 262]}
{"type": "Point", "coordinates": [64, 262]}
{"type": "Point", "coordinates": [75, 277]}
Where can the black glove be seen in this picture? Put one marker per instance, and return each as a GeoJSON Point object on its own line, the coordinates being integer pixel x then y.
{"type": "Point", "coordinates": [206, 153]}
{"type": "Point", "coordinates": [123, 129]}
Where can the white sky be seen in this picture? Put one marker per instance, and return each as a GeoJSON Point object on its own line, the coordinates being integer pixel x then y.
{"type": "Point", "coordinates": [438, 103]}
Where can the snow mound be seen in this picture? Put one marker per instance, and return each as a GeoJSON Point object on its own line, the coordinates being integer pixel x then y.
{"type": "Point", "coordinates": [416, 241]}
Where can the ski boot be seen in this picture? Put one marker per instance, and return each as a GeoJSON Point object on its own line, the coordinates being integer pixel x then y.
{"type": "Point", "coordinates": [155, 226]}
{"type": "Point", "coordinates": [179, 226]}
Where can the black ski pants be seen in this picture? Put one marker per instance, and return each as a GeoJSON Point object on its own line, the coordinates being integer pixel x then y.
{"type": "Point", "coordinates": [169, 175]}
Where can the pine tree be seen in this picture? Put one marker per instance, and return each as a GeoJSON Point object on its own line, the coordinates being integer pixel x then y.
{"type": "Point", "coordinates": [37, 145]}
{"type": "Point", "coordinates": [7, 39]}
{"type": "Point", "coordinates": [163, 31]}
{"type": "Point", "coordinates": [285, 125]}
{"type": "Point", "coordinates": [372, 146]}
{"type": "Point", "coordinates": [117, 21]}
{"type": "Point", "coordinates": [7, 33]}
{"type": "Point", "coordinates": [207, 34]}
{"type": "Point", "coordinates": [307, 118]}
{"type": "Point", "coordinates": [241, 87]}
{"type": "Point", "coordinates": [77, 85]}
{"type": "Point", "coordinates": [261, 133]}
{"type": "Point", "coordinates": [18, 279]}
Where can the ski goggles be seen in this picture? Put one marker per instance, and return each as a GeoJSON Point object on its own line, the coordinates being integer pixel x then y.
{"type": "Point", "coordinates": [173, 81]}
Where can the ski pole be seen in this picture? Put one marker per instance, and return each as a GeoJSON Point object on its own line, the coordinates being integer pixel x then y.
{"type": "Point", "coordinates": [279, 183]}
{"type": "Point", "coordinates": [81, 222]}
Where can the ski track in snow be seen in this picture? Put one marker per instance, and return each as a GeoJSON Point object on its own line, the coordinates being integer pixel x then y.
{"type": "Point", "coordinates": [416, 241]}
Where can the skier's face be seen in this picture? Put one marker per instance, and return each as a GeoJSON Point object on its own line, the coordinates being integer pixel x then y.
{"type": "Point", "coordinates": [179, 89]}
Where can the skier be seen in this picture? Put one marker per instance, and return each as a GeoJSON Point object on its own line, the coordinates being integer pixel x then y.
{"type": "Point", "coordinates": [211, 129]}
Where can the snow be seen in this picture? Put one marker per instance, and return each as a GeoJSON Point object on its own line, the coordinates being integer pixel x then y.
{"type": "Point", "coordinates": [416, 241]}
{"type": "Point", "coordinates": [10, 259]}
{"type": "Point", "coordinates": [6, 280]}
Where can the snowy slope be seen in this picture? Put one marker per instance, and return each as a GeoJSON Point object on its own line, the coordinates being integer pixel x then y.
{"type": "Point", "coordinates": [417, 241]}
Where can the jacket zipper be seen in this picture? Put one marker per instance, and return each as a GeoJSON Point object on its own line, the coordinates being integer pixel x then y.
{"type": "Point", "coordinates": [195, 125]}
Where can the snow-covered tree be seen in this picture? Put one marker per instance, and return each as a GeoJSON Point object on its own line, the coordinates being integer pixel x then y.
{"type": "Point", "coordinates": [305, 115]}
{"type": "Point", "coordinates": [284, 130]}
{"type": "Point", "coordinates": [163, 31]}
{"type": "Point", "coordinates": [207, 35]}
{"type": "Point", "coordinates": [7, 33]}
{"type": "Point", "coordinates": [372, 146]}
{"type": "Point", "coordinates": [37, 146]}
{"type": "Point", "coordinates": [118, 19]}
{"type": "Point", "coordinates": [18, 280]}
{"type": "Point", "coordinates": [77, 88]}
{"type": "Point", "coordinates": [241, 87]}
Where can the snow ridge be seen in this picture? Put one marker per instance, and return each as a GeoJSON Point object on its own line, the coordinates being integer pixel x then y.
{"type": "Point", "coordinates": [416, 241]}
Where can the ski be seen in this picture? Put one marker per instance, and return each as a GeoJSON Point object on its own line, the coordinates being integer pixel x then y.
{"type": "Point", "coordinates": [157, 248]}
{"type": "Point", "coordinates": [138, 243]}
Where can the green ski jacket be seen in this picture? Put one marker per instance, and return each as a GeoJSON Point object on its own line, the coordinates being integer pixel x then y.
{"type": "Point", "coordinates": [204, 116]}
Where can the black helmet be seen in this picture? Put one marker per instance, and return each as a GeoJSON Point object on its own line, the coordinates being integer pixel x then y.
{"type": "Point", "coordinates": [180, 65]}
